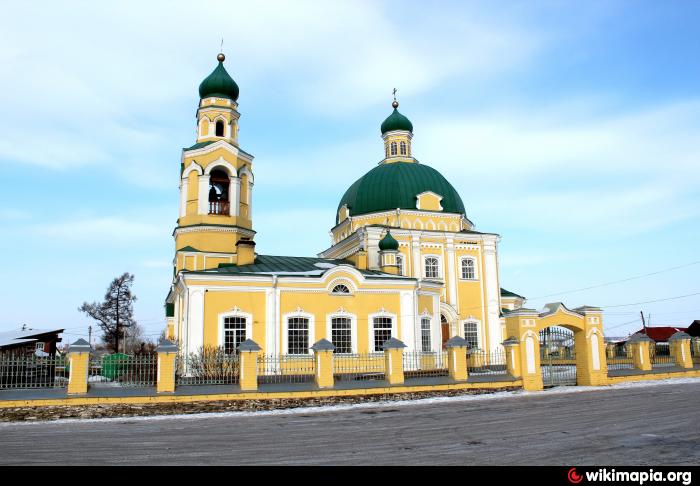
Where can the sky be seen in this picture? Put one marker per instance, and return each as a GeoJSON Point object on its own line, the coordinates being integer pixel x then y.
{"type": "Point", "coordinates": [571, 129]}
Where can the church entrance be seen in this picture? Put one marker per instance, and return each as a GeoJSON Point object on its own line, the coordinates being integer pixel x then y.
{"type": "Point", "coordinates": [445, 327]}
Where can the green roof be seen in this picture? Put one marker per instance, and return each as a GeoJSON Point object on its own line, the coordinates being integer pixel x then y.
{"type": "Point", "coordinates": [169, 309]}
{"type": "Point", "coordinates": [188, 248]}
{"type": "Point", "coordinates": [508, 293]}
{"type": "Point", "coordinates": [396, 121]}
{"type": "Point", "coordinates": [209, 142]}
{"type": "Point", "coordinates": [397, 185]}
{"type": "Point", "coordinates": [388, 242]}
{"type": "Point", "coordinates": [220, 84]}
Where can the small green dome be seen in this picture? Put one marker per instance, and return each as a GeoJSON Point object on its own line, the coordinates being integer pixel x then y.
{"type": "Point", "coordinates": [219, 83]}
{"type": "Point", "coordinates": [388, 242]}
{"type": "Point", "coordinates": [396, 121]}
{"type": "Point", "coordinates": [397, 185]}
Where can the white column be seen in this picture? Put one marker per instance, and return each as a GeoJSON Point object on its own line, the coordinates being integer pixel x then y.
{"type": "Point", "coordinates": [373, 249]}
{"type": "Point", "coordinates": [250, 199]}
{"type": "Point", "coordinates": [451, 274]}
{"type": "Point", "coordinates": [234, 191]}
{"type": "Point", "coordinates": [407, 319]}
{"type": "Point", "coordinates": [270, 324]}
{"type": "Point", "coordinates": [493, 321]}
{"type": "Point", "coordinates": [203, 196]}
{"type": "Point", "coordinates": [184, 184]}
{"type": "Point", "coordinates": [196, 321]}
{"type": "Point", "coordinates": [415, 249]}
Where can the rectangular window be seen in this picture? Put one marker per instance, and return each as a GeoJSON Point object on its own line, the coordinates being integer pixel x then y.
{"type": "Point", "coordinates": [298, 335]}
{"type": "Point", "coordinates": [399, 263]}
{"type": "Point", "coordinates": [426, 343]}
{"type": "Point", "coordinates": [468, 269]}
{"type": "Point", "coordinates": [341, 335]}
{"type": "Point", "coordinates": [234, 333]}
{"type": "Point", "coordinates": [471, 334]}
{"type": "Point", "coordinates": [432, 268]}
{"type": "Point", "coordinates": [382, 332]}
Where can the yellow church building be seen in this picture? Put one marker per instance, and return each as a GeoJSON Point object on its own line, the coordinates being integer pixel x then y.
{"type": "Point", "coordinates": [404, 259]}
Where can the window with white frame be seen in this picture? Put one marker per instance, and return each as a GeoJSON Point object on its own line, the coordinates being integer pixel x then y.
{"type": "Point", "coordinates": [432, 267]}
{"type": "Point", "coordinates": [234, 333]}
{"type": "Point", "coordinates": [341, 334]}
{"type": "Point", "coordinates": [297, 335]}
{"type": "Point", "coordinates": [340, 289]}
{"type": "Point", "coordinates": [393, 148]}
{"type": "Point", "coordinates": [402, 147]}
{"type": "Point", "coordinates": [399, 263]}
{"type": "Point", "coordinates": [425, 337]}
{"type": "Point", "coordinates": [381, 327]}
{"type": "Point", "coordinates": [468, 269]}
{"type": "Point", "coordinates": [471, 334]}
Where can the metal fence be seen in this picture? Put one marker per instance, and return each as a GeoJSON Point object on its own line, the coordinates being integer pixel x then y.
{"type": "Point", "coordinates": [481, 362]}
{"type": "Point", "coordinates": [33, 372]}
{"type": "Point", "coordinates": [661, 355]}
{"type": "Point", "coordinates": [621, 359]}
{"type": "Point", "coordinates": [207, 369]}
{"type": "Point", "coordinates": [359, 367]}
{"type": "Point", "coordinates": [417, 364]}
{"type": "Point", "coordinates": [274, 368]}
{"type": "Point", "coordinates": [123, 370]}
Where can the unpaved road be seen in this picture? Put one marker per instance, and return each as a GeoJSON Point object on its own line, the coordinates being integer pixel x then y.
{"type": "Point", "coordinates": [648, 425]}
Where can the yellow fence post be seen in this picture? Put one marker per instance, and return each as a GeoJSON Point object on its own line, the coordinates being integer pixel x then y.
{"type": "Point", "coordinates": [696, 347]}
{"type": "Point", "coordinates": [248, 368]}
{"type": "Point", "coordinates": [323, 358]}
{"type": "Point", "coordinates": [79, 359]}
{"type": "Point", "coordinates": [167, 353]}
{"type": "Point", "coordinates": [457, 358]}
{"type": "Point", "coordinates": [639, 345]}
{"type": "Point", "coordinates": [393, 356]}
{"type": "Point", "coordinates": [512, 350]}
{"type": "Point", "coordinates": [680, 349]}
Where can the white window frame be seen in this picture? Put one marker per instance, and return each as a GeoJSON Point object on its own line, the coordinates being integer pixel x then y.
{"type": "Point", "coordinates": [478, 331]}
{"type": "Point", "coordinates": [428, 318]}
{"type": "Point", "coordinates": [393, 149]}
{"type": "Point", "coordinates": [285, 330]}
{"type": "Point", "coordinates": [370, 328]}
{"type": "Point", "coordinates": [403, 148]}
{"type": "Point", "coordinates": [399, 262]}
{"type": "Point", "coordinates": [439, 266]}
{"type": "Point", "coordinates": [353, 327]}
{"type": "Point", "coordinates": [476, 269]}
{"type": "Point", "coordinates": [235, 313]}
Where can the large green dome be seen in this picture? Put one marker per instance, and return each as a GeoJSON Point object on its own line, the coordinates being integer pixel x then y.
{"type": "Point", "coordinates": [397, 185]}
{"type": "Point", "coordinates": [219, 83]}
{"type": "Point", "coordinates": [396, 121]}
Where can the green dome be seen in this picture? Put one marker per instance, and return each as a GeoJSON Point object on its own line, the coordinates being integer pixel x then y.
{"type": "Point", "coordinates": [388, 242]}
{"type": "Point", "coordinates": [396, 185]}
{"type": "Point", "coordinates": [396, 121]}
{"type": "Point", "coordinates": [220, 84]}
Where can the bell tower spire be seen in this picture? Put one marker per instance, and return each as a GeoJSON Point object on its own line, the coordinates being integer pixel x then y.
{"type": "Point", "coordinates": [397, 132]}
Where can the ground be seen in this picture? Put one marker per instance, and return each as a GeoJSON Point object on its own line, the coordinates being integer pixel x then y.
{"type": "Point", "coordinates": [634, 424]}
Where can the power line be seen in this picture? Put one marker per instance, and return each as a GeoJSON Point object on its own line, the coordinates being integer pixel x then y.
{"type": "Point", "coordinates": [616, 281]}
{"type": "Point", "coordinates": [650, 301]}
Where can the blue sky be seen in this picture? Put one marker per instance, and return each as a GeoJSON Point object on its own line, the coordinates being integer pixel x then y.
{"type": "Point", "coordinates": [571, 129]}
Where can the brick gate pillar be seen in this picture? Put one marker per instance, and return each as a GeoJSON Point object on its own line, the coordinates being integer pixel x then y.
{"type": "Point", "coordinates": [680, 349]}
{"type": "Point", "coordinates": [393, 356]}
{"type": "Point", "coordinates": [639, 345]}
{"type": "Point", "coordinates": [522, 324]}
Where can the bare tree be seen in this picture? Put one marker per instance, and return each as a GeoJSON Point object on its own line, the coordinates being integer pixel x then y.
{"type": "Point", "coordinates": [116, 313]}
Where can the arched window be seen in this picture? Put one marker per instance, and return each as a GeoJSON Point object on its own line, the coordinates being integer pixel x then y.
{"type": "Point", "coordinates": [234, 333]}
{"type": "Point", "coordinates": [471, 334]}
{"type": "Point", "coordinates": [403, 148]}
{"type": "Point", "coordinates": [219, 128]}
{"type": "Point", "coordinates": [468, 269]}
{"type": "Point", "coordinates": [387, 151]}
{"type": "Point", "coordinates": [297, 335]}
{"type": "Point", "coordinates": [425, 338]}
{"type": "Point", "coordinates": [399, 263]}
{"type": "Point", "coordinates": [432, 267]}
{"type": "Point", "coordinates": [393, 148]}
{"type": "Point", "coordinates": [340, 289]}
{"type": "Point", "coordinates": [218, 192]}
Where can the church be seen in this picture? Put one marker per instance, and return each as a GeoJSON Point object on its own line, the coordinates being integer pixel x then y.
{"type": "Point", "coordinates": [404, 259]}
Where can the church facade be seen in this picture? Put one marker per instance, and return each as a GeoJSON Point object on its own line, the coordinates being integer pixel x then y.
{"type": "Point", "coordinates": [404, 259]}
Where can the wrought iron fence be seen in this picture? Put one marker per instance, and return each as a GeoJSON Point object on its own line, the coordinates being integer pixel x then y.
{"type": "Point", "coordinates": [621, 359]}
{"type": "Point", "coordinates": [481, 362]}
{"type": "Point", "coordinates": [661, 355]}
{"type": "Point", "coordinates": [33, 372]}
{"type": "Point", "coordinates": [359, 367]}
{"type": "Point", "coordinates": [274, 368]}
{"type": "Point", "coordinates": [123, 370]}
{"type": "Point", "coordinates": [207, 368]}
{"type": "Point", "coordinates": [418, 364]}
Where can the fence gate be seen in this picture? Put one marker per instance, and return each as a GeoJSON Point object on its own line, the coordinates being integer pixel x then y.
{"type": "Point", "coordinates": [557, 356]}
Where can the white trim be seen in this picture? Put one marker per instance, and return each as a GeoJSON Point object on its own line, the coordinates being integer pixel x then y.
{"type": "Point", "coordinates": [235, 312]}
{"type": "Point", "coordinates": [353, 327]}
{"type": "Point", "coordinates": [370, 327]}
{"type": "Point", "coordinates": [476, 268]}
{"type": "Point", "coordinates": [221, 162]}
{"type": "Point", "coordinates": [440, 270]}
{"type": "Point", "coordinates": [285, 330]}
{"type": "Point", "coordinates": [479, 336]}
{"type": "Point", "coordinates": [194, 166]}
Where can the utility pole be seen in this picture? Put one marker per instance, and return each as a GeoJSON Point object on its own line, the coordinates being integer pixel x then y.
{"type": "Point", "coordinates": [644, 323]}
{"type": "Point", "coordinates": [90, 335]}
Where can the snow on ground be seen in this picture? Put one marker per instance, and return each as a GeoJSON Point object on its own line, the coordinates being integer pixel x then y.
{"type": "Point", "coordinates": [562, 390]}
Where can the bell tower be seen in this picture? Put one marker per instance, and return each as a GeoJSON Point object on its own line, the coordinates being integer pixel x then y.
{"type": "Point", "coordinates": [216, 182]}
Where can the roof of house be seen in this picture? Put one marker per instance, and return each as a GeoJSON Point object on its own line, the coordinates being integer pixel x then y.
{"type": "Point", "coordinates": [661, 333]}
{"type": "Point", "coordinates": [292, 266]}
{"type": "Point", "coordinates": [508, 293]}
{"type": "Point", "coordinates": [23, 336]}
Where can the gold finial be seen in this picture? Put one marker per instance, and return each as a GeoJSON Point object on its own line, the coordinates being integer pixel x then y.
{"type": "Point", "coordinates": [220, 57]}
{"type": "Point", "coordinates": [395, 103]}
